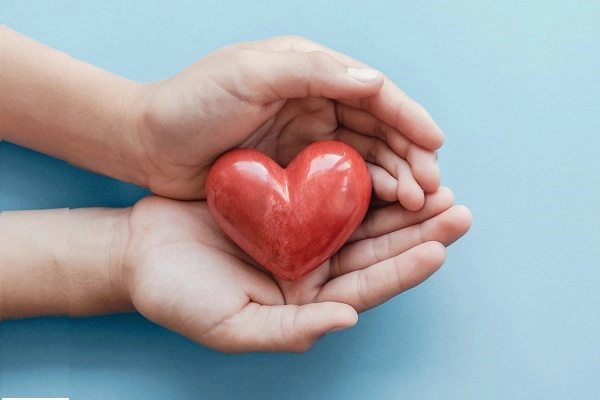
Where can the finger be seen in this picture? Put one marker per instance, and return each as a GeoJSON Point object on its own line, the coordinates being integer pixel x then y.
{"type": "Point", "coordinates": [425, 168]}
{"type": "Point", "coordinates": [388, 219]}
{"type": "Point", "coordinates": [390, 104]}
{"type": "Point", "coordinates": [375, 151]}
{"type": "Point", "coordinates": [422, 161]}
{"type": "Point", "coordinates": [385, 186]}
{"type": "Point", "coordinates": [444, 228]}
{"type": "Point", "coordinates": [279, 328]}
{"type": "Point", "coordinates": [367, 288]}
{"type": "Point", "coordinates": [396, 108]}
{"type": "Point", "coordinates": [266, 77]}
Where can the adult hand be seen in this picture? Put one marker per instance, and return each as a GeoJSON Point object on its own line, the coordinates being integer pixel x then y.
{"type": "Point", "coordinates": [184, 273]}
{"type": "Point", "coordinates": [278, 96]}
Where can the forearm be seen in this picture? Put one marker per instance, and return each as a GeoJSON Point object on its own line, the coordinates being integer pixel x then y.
{"type": "Point", "coordinates": [62, 262]}
{"type": "Point", "coordinates": [66, 108]}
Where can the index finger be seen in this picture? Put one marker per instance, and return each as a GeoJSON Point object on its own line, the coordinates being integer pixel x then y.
{"type": "Point", "coordinates": [372, 286]}
{"type": "Point", "coordinates": [391, 105]}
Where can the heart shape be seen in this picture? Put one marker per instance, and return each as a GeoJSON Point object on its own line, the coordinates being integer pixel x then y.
{"type": "Point", "coordinates": [290, 220]}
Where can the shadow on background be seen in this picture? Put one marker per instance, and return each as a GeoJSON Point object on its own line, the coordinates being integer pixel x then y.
{"type": "Point", "coordinates": [44, 356]}
{"type": "Point", "coordinates": [31, 180]}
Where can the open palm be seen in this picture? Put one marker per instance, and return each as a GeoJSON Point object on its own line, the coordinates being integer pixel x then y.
{"type": "Point", "coordinates": [185, 274]}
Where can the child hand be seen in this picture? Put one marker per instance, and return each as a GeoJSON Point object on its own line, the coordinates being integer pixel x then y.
{"type": "Point", "coordinates": [278, 96]}
{"type": "Point", "coordinates": [185, 274]}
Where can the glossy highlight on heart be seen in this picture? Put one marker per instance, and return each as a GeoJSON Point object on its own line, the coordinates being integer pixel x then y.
{"type": "Point", "coordinates": [290, 220]}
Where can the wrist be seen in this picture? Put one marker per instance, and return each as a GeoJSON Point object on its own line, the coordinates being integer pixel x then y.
{"type": "Point", "coordinates": [63, 262]}
{"type": "Point", "coordinates": [120, 273]}
{"type": "Point", "coordinates": [93, 257]}
{"type": "Point", "coordinates": [142, 121]}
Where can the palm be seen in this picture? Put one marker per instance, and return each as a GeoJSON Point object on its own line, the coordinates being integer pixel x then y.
{"type": "Point", "coordinates": [290, 129]}
{"type": "Point", "coordinates": [185, 274]}
{"type": "Point", "coordinates": [280, 129]}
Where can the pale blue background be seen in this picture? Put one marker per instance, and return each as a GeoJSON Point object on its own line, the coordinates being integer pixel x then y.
{"type": "Point", "coordinates": [514, 313]}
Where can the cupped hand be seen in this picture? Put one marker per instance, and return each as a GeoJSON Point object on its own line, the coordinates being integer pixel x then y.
{"type": "Point", "coordinates": [185, 274]}
{"type": "Point", "coordinates": [278, 96]}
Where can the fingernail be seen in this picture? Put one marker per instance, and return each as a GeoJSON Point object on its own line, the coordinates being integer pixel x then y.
{"type": "Point", "coordinates": [364, 75]}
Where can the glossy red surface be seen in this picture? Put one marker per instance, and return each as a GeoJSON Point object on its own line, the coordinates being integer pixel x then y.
{"type": "Point", "coordinates": [290, 220]}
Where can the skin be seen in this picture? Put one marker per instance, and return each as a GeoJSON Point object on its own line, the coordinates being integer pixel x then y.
{"type": "Point", "coordinates": [276, 95]}
{"type": "Point", "coordinates": [167, 258]}
{"type": "Point", "coordinates": [196, 281]}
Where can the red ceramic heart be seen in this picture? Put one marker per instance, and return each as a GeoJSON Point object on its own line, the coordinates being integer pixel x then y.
{"type": "Point", "coordinates": [290, 220]}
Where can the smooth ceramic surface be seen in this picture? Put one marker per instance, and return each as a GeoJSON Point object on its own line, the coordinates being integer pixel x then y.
{"type": "Point", "coordinates": [290, 220]}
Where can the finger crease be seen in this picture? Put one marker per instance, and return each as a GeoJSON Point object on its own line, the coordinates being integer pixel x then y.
{"type": "Point", "coordinates": [361, 285]}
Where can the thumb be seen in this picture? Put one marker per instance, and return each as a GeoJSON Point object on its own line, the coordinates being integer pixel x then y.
{"type": "Point", "coordinates": [281, 328]}
{"type": "Point", "coordinates": [276, 75]}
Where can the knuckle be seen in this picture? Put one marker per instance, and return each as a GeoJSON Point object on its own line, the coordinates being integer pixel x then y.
{"type": "Point", "coordinates": [368, 225]}
{"type": "Point", "coordinates": [320, 59]}
{"type": "Point", "coordinates": [290, 339]}
{"type": "Point", "coordinates": [296, 42]}
{"type": "Point", "coordinates": [292, 38]}
{"type": "Point", "coordinates": [422, 235]}
{"type": "Point", "coordinates": [412, 151]}
{"type": "Point", "coordinates": [245, 59]}
{"type": "Point", "coordinates": [361, 289]}
{"type": "Point", "coordinates": [381, 129]}
{"type": "Point", "coordinates": [373, 151]}
{"type": "Point", "coordinates": [399, 278]}
{"type": "Point", "coordinates": [381, 248]}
